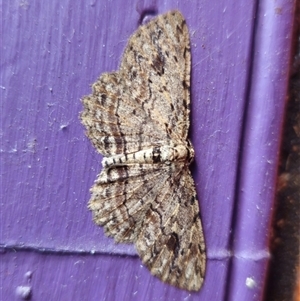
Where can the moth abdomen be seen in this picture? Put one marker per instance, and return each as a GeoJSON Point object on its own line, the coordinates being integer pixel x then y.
{"type": "Point", "coordinates": [157, 154]}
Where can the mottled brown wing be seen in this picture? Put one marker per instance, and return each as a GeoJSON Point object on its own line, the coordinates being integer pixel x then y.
{"type": "Point", "coordinates": [122, 194]}
{"type": "Point", "coordinates": [170, 241]}
{"type": "Point", "coordinates": [145, 103]}
{"type": "Point", "coordinates": [155, 207]}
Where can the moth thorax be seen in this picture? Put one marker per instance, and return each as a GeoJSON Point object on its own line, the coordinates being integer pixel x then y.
{"type": "Point", "coordinates": [179, 152]}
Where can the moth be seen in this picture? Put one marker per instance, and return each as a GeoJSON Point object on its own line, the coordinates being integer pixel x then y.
{"type": "Point", "coordinates": [138, 119]}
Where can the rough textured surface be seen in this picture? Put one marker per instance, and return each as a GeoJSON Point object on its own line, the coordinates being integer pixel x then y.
{"type": "Point", "coordinates": [51, 51]}
{"type": "Point", "coordinates": [68, 276]}
{"type": "Point", "coordinates": [284, 271]}
{"type": "Point", "coordinates": [138, 117]}
{"type": "Point", "coordinates": [260, 147]}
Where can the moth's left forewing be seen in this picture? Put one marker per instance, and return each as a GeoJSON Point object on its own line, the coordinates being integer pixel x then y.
{"type": "Point", "coordinates": [159, 54]}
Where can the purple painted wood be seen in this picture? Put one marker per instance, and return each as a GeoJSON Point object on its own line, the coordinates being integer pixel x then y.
{"type": "Point", "coordinates": [51, 52]}
{"type": "Point", "coordinates": [256, 189]}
